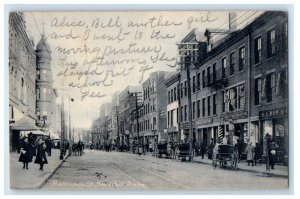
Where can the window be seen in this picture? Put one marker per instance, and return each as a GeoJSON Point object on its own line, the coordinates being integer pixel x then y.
{"type": "Point", "coordinates": [257, 94]}
{"type": "Point", "coordinates": [154, 122]}
{"type": "Point", "coordinates": [214, 72]}
{"type": "Point", "coordinates": [242, 60]}
{"type": "Point", "coordinates": [208, 75]}
{"type": "Point", "coordinates": [203, 79]}
{"type": "Point", "coordinates": [224, 67]}
{"type": "Point", "coordinates": [194, 84]}
{"type": "Point", "coordinates": [169, 119]}
{"type": "Point", "coordinates": [232, 64]}
{"type": "Point", "coordinates": [198, 109]}
{"type": "Point", "coordinates": [257, 52]}
{"type": "Point", "coordinates": [283, 84]}
{"type": "Point", "coordinates": [154, 105]}
{"type": "Point", "coordinates": [285, 36]}
{"type": "Point", "coordinates": [270, 87]}
{"type": "Point", "coordinates": [241, 96]}
{"type": "Point", "coordinates": [208, 106]}
{"type": "Point", "coordinates": [181, 114]}
{"type": "Point", "coordinates": [214, 104]}
{"type": "Point", "coordinates": [169, 97]}
{"type": "Point", "coordinates": [203, 107]}
{"type": "Point", "coordinates": [181, 90]}
{"type": "Point", "coordinates": [172, 115]}
{"type": "Point", "coordinates": [175, 94]}
{"type": "Point", "coordinates": [194, 109]}
{"type": "Point", "coordinates": [198, 81]}
{"type": "Point", "coordinates": [271, 43]}
{"type": "Point", "coordinates": [185, 112]}
{"type": "Point", "coordinates": [185, 88]}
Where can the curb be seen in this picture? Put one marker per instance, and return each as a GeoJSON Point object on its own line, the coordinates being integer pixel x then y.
{"type": "Point", "coordinates": [253, 171]}
{"type": "Point", "coordinates": [47, 178]}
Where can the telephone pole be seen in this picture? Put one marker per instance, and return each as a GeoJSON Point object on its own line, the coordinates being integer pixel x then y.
{"type": "Point", "coordinates": [190, 112]}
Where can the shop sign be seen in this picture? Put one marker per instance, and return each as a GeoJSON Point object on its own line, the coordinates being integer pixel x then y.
{"type": "Point", "coordinates": [272, 113]}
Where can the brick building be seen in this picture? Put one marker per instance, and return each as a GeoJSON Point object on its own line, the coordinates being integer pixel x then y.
{"type": "Point", "coordinates": [238, 83]}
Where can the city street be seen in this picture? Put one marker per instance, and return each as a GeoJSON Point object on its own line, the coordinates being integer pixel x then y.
{"type": "Point", "coordinates": [99, 170]}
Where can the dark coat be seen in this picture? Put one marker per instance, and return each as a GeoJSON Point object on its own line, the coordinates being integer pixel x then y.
{"type": "Point", "coordinates": [41, 155]}
{"type": "Point", "coordinates": [28, 149]}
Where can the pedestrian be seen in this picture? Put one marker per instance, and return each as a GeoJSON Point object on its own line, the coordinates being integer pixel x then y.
{"type": "Point", "coordinates": [202, 149]}
{"type": "Point", "coordinates": [26, 153]}
{"type": "Point", "coordinates": [49, 146]}
{"type": "Point", "coordinates": [272, 154]}
{"type": "Point", "coordinates": [32, 141]}
{"type": "Point", "coordinates": [250, 153]}
{"type": "Point", "coordinates": [268, 151]}
{"type": "Point", "coordinates": [41, 154]}
{"type": "Point", "coordinates": [237, 148]}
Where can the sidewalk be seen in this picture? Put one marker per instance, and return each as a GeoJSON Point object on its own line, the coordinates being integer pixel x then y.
{"type": "Point", "coordinates": [32, 178]}
{"type": "Point", "coordinates": [279, 171]}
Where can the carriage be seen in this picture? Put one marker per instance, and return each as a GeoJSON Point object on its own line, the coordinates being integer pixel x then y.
{"type": "Point", "coordinates": [183, 151]}
{"type": "Point", "coordinates": [163, 149]}
{"type": "Point", "coordinates": [225, 155]}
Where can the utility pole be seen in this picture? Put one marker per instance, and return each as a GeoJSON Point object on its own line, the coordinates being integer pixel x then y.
{"type": "Point", "coordinates": [137, 117]}
{"type": "Point", "coordinates": [118, 130]}
{"type": "Point", "coordinates": [179, 90]}
{"type": "Point", "coordinates": [190, 112]}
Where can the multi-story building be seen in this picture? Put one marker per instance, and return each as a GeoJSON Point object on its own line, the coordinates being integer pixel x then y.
{"type": "Point", "coordinates": [153, 115]}
{"type": "Point", "coordinates": [115, 117]}
{"type": "Point", "coordinates": [22, 79]}
{"type": "Point", "coordinates": [239, 83]}
{"type": "Point", "coordinates": [127, 119]}
{"type": "Point", "coordinates": [105, 123]}
{"type": "Point", "coordinates": [173, 89]}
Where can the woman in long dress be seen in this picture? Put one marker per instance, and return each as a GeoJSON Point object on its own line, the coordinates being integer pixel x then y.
{"type": "Point", "coordinates": [41, 154]}
{"type": "Point", "coordinates": [26, 152]}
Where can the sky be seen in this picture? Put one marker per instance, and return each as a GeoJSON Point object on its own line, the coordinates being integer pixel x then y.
{"type": "Point", "coordinates": [117, 49]}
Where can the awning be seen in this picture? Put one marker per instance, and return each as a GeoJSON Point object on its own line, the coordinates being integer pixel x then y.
{"type": "Point", "coordinates": [25, 124]}
{"type": "Point", "coordinates": [34, 132]}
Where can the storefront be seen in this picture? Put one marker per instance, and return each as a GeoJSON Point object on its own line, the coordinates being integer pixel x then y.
{"type": "Point", "coordinates": [275, 123]}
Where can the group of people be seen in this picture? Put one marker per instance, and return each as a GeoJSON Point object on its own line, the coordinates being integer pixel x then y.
{"type": "Point", "coordinates": [30, 147]}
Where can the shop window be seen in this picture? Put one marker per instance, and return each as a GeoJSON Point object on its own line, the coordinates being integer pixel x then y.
{"type": "Point", "coordinates": [257, 94]}
{"type": "Point", "coordinates": [257, 51]}
{"type": "Point", "coordinates": [242, 61]}
{"type": "Point", "coordinates": [271, 43]}
{"type": "Point", "coordinates": [232, 63]}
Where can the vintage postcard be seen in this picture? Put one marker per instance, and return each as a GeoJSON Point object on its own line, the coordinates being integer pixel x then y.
{"type": "Point", "coordinates": [148, 100]}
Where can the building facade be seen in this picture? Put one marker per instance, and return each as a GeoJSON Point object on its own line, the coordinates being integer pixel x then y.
{"type": "Point", "coordinates": [153, 114]}
{"type": "Point", "coordinates": [239, 84]}
{"type": "Point", "coordinates": [22, 78]}
{"type": "Point", "coordinates": [173, 88]}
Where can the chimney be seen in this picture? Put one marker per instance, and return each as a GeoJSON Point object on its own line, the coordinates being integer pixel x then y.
{"type": "Point", "coordinates": [232, 21]}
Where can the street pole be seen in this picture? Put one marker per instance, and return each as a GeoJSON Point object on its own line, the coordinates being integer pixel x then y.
{"type": "Point", "coordinates": [179, 90]}
{"type": "Point", "coordinates": [118, 130]}
{"type": "Point", "coordinates": [137, 118]}
{"type": "Point", "coordinates": [190, 112]}
{"type": "Point", "coordinates": [61, 157]}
